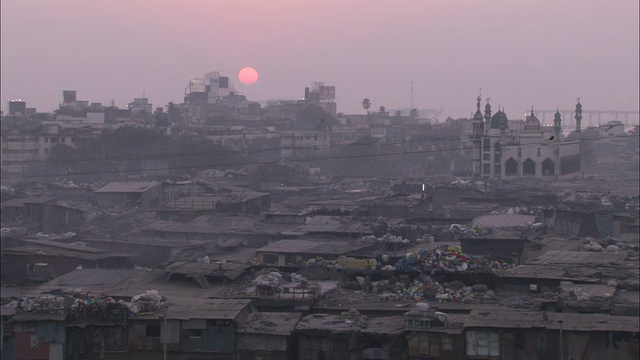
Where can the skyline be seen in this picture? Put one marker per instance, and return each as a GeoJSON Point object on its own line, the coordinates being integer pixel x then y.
{"type": "Point", "coordinates": [522, 53]}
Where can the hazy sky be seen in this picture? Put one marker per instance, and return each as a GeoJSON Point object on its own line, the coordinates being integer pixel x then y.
{"type": "Point", "coordinates": [520, 52]}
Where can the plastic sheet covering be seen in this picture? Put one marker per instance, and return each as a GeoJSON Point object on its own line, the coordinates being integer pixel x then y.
{"type": "Point", "coordinates": [483, 343]}
{"type": "Point", "coordinates": [604, 222]}
{"type": "Point", "coordinates": [170, 332]}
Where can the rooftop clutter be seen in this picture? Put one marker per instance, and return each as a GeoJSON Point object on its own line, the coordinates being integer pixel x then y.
{"type": "Point", "coordinates": [447, 259]}
{"type": "Point", "coordinates": [84, 305]}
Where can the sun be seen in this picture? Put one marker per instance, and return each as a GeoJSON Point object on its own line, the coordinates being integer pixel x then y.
{"type": "Point", "coordinates": [248, 76]}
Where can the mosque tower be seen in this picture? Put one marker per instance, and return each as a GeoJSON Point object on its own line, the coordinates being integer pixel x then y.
{"type": "Point", "coordinates": [557, 125]}
{"type": "Point", "coordinates": [487, 114]}
{"type": "Point", "coordinates": [478, 132]}
{"type": "Point", "coordinates": [578, 118]}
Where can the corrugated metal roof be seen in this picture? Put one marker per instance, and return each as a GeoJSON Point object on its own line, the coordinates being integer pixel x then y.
{"type": "Point", "coordinates": [584, 258]}
{"type": "Point", "coordinates": [270, 323]}
{"type": "Point", "coordinates": [98, 281]}
{"type": "Point", "coordinates": [385, 325]}
{"type": "Point", "coordinates": [34, 316]}
{"type": "Point", "coordinates": [546, 272]}
{"type": "Point", "coordinates": [70, 253]}
{"type": "Point", "coordinates": [334, 224]}
{"type": "Point", "coordinates": [192, 269]}
{"type": "Point", "coordinates": [61, 245]}
{"type": "Point", "coordinates": [212, 224]}
{"type": "Point", "coordinates": [503, 220]}
{"type": "Point", "coordinates": [332, 323]}
{"type": "Point", "coordinates": [195, 308]}
{"type": "Point", "coordinates": [305, 246]}
{"type": "Point", "coordinates": [518, 319]}
{"type": "Point", "coordinates": [594, 322]}
{"type": "Point", "coordinates": [127, 187]}
{"type": "Point", "coordinates": [506, 319]}
{"type": "Point", "coordinates": [19, 202]}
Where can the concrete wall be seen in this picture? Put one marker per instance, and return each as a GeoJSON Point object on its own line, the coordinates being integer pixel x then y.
{"type": "Point", "coordinates": [261, 342]}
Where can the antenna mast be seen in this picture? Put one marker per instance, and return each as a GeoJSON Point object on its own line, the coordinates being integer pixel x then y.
{"type": "Point", "coordinates": [411, 100]}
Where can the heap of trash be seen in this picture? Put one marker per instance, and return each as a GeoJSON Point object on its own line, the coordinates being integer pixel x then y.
{"type": "Point", "coordinates": [147, 302]}
{"type": "Point", "coordinates": [447, 259]}
{"type": "Point", "coordinates": [272, 278]}
{"type": "Point", "coordinates": [431, 290]}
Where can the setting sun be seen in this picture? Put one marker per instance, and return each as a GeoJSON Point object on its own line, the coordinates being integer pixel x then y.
{"type": "Point", "coordinates": [248, 76]}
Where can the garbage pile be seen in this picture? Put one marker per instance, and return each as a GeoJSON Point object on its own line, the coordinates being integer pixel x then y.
{"type": "Point", "coordinates": [298, 278]}
{"type": "Point", "coordinates": [84, 305]}
{"type": "Point", "coordinates": [272, 278]}
{"type": "Point", "coordinates": [52, 304]}
{"type": "Point", "coordinates": [446, 259]}
{"type": "Point", "coordinates": [449, 292]}
{"type": "Point", "coordinates": [610, 245]}
{"type": "Point", "coordinates": [147, 302]}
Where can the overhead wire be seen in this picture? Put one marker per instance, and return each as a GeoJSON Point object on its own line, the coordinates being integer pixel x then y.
{"type": "Point", "coordinates": [252, 163]}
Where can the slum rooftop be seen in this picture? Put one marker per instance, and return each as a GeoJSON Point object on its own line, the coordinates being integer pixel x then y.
{"type": "Point", "coordinates": [519, 319]}
{"type": "Point", "coordinates": [134, 187]}
{"type": "Point", "coordinates": [313, 247]}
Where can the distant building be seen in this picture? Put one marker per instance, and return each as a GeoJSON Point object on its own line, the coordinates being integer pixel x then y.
{"type": "Point", "coordinates": [499, 153]}
{"type": "Point", "coordinates": [130, 194]}
{"type": "Point", "coordinates": [17, 108]}
{"type": "Point", "coordinates": [323, 96]}
{"type": "Point", "coordinates": [304, 142]}
{"type": "Point", "coordinates": [140, 105]}
{"type": "Point", "coordinates": [70, 101]}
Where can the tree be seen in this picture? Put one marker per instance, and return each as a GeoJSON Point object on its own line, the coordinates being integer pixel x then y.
{"type": "Point", "coordinates": [280, 173]}
{"type": "Point", "coordinates": [414, 113]}
{"type": "Point", "coordinates": [398, 113]}
{"type": "Point", "coordinates": [174, 113]}
{"type": "Point", "coordinates": [162, 118]}
{"type": "Point", "coordinates": [382, 109]}
{"type": "Point", "coordinates": [314, 117]}
{"type": "Point", "coordinates": [366, 104]}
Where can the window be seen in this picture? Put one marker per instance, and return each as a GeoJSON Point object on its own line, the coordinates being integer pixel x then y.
{"type": "Point", "coordinates": [270, 259]}
{"type": "Point", "coordinates": [529, 167]}
{"type": "Point", "coordinates": [46, 139]}
{"type": "Point", "coordinates": [54, 139]}
{"type": "Point", "coordinates": [519, 339]}
{"type": "Point", "coordinates": [548, 167]}
{"type": "Point", "coordinates": [486, 145]}
{"type": "Point", "coordinates": [483, 343]}
{"type": "Point", "coordinates": [486, 157]}
{"type": "Point", "coordinates": [46, 151]}
{"type": "Point", "coordinates": [511, 167]}
{"type": "Point", "coordinates": [446, 343]}
{"type": "Point", "coordinates": [194, 333]}
{"type": "Point", "coordinates": [152, 331]}
{"type": "Point", "coordinates": [497, 170]}
{"type": "Point", "coordinates": [63, 139]}
{"type": "Point", "coordinates": [290, 259]}
{"type": "Point", "coordinates": [486, 168]}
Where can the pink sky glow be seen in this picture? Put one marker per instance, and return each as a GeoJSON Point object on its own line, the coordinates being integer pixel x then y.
{"type": "Point", "coordinates": [522, 53]}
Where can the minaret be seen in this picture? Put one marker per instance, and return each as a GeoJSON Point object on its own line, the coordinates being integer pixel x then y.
{"type": "Point", "coordinates": [487, 114]}
{"type": "Point", "coordinates": [478, 132]}
{"type": "Point", "coordinates": [578, 119]}
{"type": "Point", "coordinates": [557, 125]}
{"type": "Point", "coordinates": [478, 125]}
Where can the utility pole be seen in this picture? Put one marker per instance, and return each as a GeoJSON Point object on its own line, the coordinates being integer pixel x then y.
{"type": "Point", "coordinates": [561, 342]}
{"type": "Point", "coordinates": [411, 100]}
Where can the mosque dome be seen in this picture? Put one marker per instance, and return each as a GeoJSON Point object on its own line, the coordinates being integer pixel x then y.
{"type": "Point", "coordinates": [499, 120]}
{"type": "Point", "coordinates": [532, 123]}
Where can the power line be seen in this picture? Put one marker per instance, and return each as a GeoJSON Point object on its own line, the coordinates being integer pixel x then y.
{"type": "Point", "coordinates": [324, 158]}
{"type": "Point", "coordinates": [258, 151]}
{"type": "Point", "coordinates": [237, 152]}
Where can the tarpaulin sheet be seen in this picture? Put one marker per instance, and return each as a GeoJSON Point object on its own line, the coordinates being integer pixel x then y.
{"type": "Point", "coordinates": [604, 222]}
